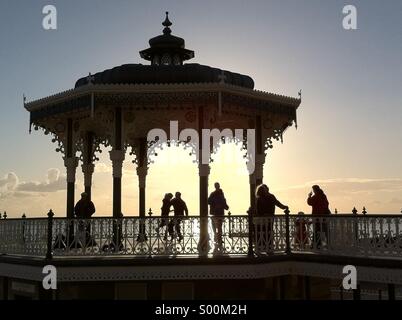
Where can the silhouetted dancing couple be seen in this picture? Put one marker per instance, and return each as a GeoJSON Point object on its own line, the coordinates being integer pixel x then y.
{"type": "Point", "coordinates": [173, 226]}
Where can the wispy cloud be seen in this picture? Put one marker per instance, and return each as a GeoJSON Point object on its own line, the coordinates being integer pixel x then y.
{"type": "Point", "coordinates": [9, 181]}
{"type": "Point", "coordinates": [11, 186]}
{"type": "Point", "coordinates": [54, 182]}
{"type": "Point", "coordinates": [378, 195]}
{"type": "Point", "coordinates": [128, 168]}
{"type": "Point", "coordinates": [354, 185]}
{"type": "Point", "coordinates": [102, 167]}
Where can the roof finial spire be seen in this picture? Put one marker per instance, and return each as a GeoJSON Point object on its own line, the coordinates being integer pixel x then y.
{"type": "Point", "coordinates": [167, 24]}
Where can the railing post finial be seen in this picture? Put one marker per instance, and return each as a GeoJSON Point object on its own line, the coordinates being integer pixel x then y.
{"type": "Point", "coordinates": [354, 211]}
{"type": "Point", "coordinates": [49, 253]}
{"type": "Point", "coordinates": [50, 214]}
{"type": "Point", "coordinates": [287, 221]}
{"type": "Point", "coordinates": [364, 211]}
{"type": "Point", "coordinates": [150, 213]}
{"type": "Point", "coordinates": [5, 215]}
{"type": "Point", "coordinates": [336, 211]}
{"type": "Point", "coordinates": [250, 213]}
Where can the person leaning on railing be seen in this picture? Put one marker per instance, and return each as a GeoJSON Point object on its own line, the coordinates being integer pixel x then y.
{"type": "Point", "coordinates": [265, 207]}
{"type": "Point", "coordinates": [320, 206]}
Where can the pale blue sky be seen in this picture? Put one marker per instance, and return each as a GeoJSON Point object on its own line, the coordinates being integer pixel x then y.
{"type": "Point", "coordinates": [349, 120]}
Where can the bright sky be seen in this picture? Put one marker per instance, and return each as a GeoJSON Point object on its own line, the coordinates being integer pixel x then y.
{"type": "Point", "coordinates": [349, 136]}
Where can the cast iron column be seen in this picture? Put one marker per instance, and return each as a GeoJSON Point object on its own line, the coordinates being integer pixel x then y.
{"type": "Point", "coordinates": [71, 163]}
{"type": "Point", "coordinates": [203, 245]}
{"type": "Point", "coordinates": [117, 156]}
{"type": "Point", "coordinates": [88, 166]}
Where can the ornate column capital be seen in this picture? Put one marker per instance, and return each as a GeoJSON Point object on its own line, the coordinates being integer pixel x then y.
{"type": "Point", "coordinates": [259, 166]}
{"type": "Point", "coordinates": [71, 165]}
{"type": "Point", "coordinates": [88, 170]}
{"type": "Point", "coordinates": [260, 158]}
{"type": "Point", "coordinates": [142, 175]}
{"type": "Point", "coordinates": [117, 157]}
{"type": "Point", "coordinates": [204, 170]}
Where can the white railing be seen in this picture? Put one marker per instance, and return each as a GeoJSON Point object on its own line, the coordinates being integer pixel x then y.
{"type": "Point", "coordinates": [344, 235]}
{"type": "Point", "coordinates": [23, 236]}
{"type": "Point", "coordinates": [369, 235]}
{"type": "Point", "coordinates": [151, 236]}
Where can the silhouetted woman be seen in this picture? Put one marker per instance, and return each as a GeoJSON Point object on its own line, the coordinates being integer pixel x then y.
{"type": "Point", "coordinates": [320, 206]}
{"type": "Point", "coordinates": [265, 207]}
{"type": "Point", "coordinates": [301, 234]}
{"type": "Point", "coordinates": [165, 210]}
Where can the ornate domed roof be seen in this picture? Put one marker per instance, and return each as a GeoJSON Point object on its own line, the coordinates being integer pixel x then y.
{"type": "Point", "coordinates": [166, 53]}
{"type": "Point", "coordinates": [155, 74]}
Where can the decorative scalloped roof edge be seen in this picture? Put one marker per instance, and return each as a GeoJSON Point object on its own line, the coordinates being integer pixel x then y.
{"type": "Point", "coordinates": [198, 86]}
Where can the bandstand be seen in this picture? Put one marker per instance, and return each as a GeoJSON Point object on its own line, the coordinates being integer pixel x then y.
{"type": "Point", "coordinates": [120, 106]}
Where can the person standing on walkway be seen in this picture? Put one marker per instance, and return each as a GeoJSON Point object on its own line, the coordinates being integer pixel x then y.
{"type": "Point", "coordinates": [180, 210]}
{"type": "Point", "coordinates": [265, 208]}
{"type": "Point", "coordinates": [320, 207]}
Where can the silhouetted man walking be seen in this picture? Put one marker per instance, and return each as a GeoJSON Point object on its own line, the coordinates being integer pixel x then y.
{"type": "Point", "coordinates": [218, 205]}
{"type": "Point", "coordinates": [180, 209]}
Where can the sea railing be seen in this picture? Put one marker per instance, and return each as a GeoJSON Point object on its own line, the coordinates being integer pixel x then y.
{"type": "Point", "coordinates": [368, 235]}
{"type": "Point", "coordinates": [340, 234]}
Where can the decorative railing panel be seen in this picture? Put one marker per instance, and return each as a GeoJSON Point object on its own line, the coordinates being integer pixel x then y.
{"type": "Point", "coordinates": [153, 236]}
{"type": "Point", "coordinates": [23, 236]}
{"type": "Point", "coordinates": [347, 235]}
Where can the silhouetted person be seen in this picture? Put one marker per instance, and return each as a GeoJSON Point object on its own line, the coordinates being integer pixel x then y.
{"type": "Point", "coordinates": [217, 204]}
{"type": "Point", "coordinates": [84, 209]}
{"type": "Point", "coordinates": [266, 202]}
{"type": "Point", "coordinates": [265, 207]}
{"type": "Point", "coordinates": [180, 209]}
{"type": "Point", "coordinates": [117, 238]}
{"type": "Point", "coordinates": [320, 206]}
{"type": "Point", "coordinates": [165, 210]}
{"type": "Point", "coordinates": [301, 235]}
